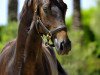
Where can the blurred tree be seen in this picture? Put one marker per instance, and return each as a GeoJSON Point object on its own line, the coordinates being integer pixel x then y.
{"type": "Point", "coordinates": [77, 24]}
{"type": "Point", "coordinates": [97, 21]}
{"type": "Point", "coordinates": [10, 29]}
{"type": "Point", "coordinates": [77, 15]}
{"type": "Point", "coordinates": [95, 26]}
{"type": "Point", "coordinates": [12, 10]}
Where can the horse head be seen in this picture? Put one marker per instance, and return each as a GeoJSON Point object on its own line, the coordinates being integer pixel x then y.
{"type": "Point", "coordinates": [51, 19]}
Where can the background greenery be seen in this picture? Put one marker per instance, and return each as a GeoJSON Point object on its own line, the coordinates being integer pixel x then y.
{"type": "Point", "coordinates": [84, 58]}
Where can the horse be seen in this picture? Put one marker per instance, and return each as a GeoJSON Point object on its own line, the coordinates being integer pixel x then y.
{"type": "Point", "coordinates": [29, 54]}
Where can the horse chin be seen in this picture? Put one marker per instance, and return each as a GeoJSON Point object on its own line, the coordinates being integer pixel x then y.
{"type": "Point", "coordinates": [61, 50]}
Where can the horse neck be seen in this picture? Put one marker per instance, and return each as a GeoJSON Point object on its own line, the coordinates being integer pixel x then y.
{"type": "Point", "coordinates": [33, 43]}
{"type": "Point", "coordinates": [24, 25]}
{"type": "Point", "coordinates": [33, 52]}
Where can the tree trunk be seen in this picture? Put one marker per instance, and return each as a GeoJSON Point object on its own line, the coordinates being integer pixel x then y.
{"type": "Point", "coordinates": [77, 14]}
{"type": "Point", "coordinates": [77, 24]}
{"type": "Point", "coordinates": [12, 10]}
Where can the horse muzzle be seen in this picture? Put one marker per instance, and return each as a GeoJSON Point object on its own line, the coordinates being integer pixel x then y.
{"type": "Point", "coordinates": [62, 47]}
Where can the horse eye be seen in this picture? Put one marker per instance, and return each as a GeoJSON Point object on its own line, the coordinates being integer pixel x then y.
{"type": "Point", "coordinates": [45, 9]}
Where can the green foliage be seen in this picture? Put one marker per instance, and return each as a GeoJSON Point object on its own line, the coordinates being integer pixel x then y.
{"type": "Point", "coordinates": [84, 58]}
{"type": "Point", "coordinates": [68, 23]}
{"type": "Point", "coordinates": [8, 33]}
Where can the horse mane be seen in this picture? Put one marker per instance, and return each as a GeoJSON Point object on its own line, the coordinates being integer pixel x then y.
{"type": "Point", "coordinates": [25, 20]}
{"type": "Point", "coordinates": [26, 11]}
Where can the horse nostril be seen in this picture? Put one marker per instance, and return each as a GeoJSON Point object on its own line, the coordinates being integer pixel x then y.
{"type": "Point", "coordinates": [68, 42]}
{"type": "Point", "coordinates": [62, 46]}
